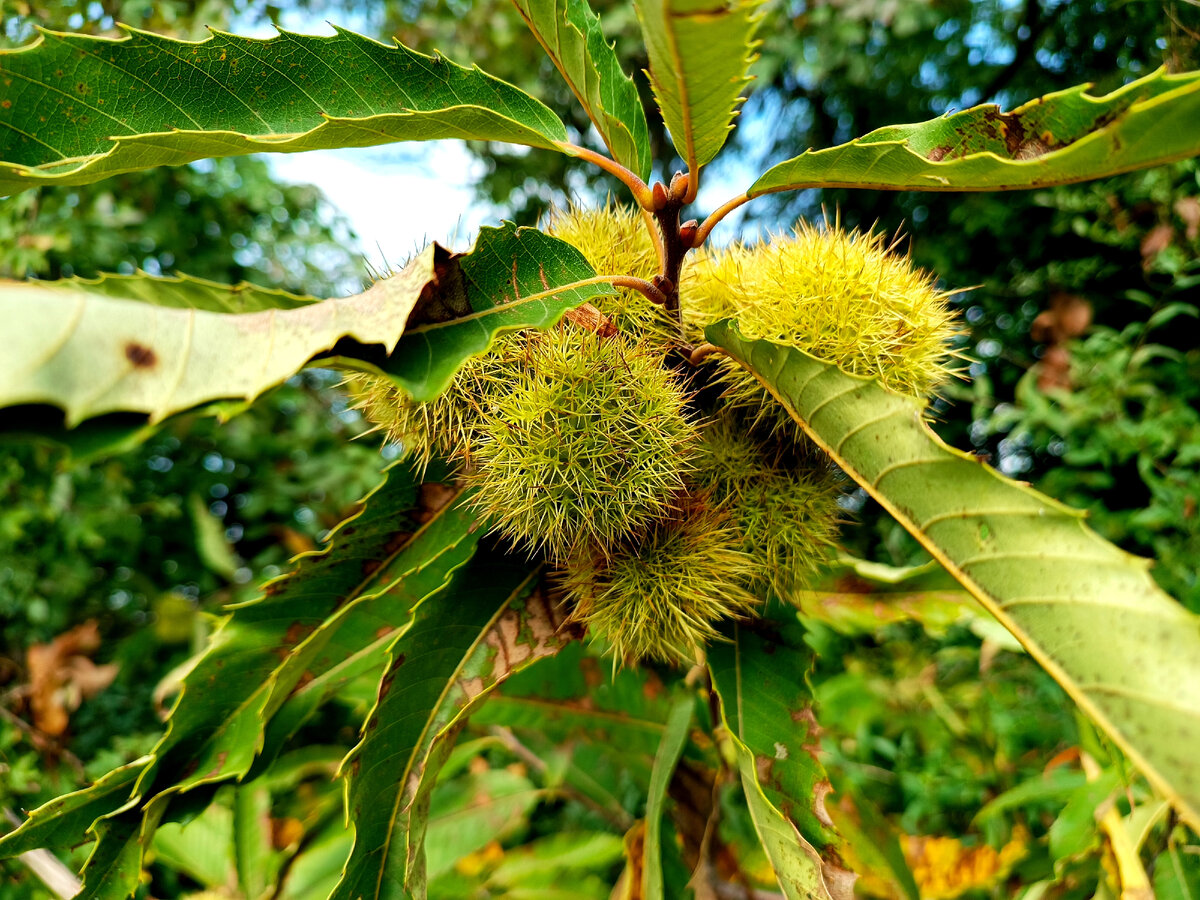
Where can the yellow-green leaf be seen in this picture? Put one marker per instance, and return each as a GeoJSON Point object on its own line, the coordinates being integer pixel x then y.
{"type": "Point", "coordinates": [1088, 612]}
{"type": "Point", "coordinates": [164, 345]}
{"type": "Point", "coordinates": [90, 352]}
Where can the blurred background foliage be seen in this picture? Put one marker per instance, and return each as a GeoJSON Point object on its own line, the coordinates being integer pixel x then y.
{"type": "Point", "coordinates": [1083, 341]}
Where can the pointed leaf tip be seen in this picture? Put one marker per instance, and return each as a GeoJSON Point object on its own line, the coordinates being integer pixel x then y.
{"type": "Point", "coordinates": [700, 52]}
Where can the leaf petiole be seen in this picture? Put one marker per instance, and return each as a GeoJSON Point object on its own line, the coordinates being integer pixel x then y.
{"type": "Point", "coordinates": [641, 193]}
{"type": "Point", "coordinates": [716, 216]}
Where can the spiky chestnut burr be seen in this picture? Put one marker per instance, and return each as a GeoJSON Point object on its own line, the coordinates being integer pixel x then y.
{"type": "Point", "coordinates": [615, 241]}
{"type": "Point", "coordinates": [447, 426]}
{"type": "Point", "coordinates": [845, 297]}
{"type": "Point", "coordinates": [783, 501]}
{"type": "Point", "coordinates": [660, 597]}
{"type": "Point", "coordinates": [587, 441]}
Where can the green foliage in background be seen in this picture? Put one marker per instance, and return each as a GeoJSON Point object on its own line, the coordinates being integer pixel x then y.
{"type": "Point", "coordinates": [955, 763]}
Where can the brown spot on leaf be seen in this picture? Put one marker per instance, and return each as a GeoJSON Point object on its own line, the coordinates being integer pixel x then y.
{"type": "Point", "coordinates": [432, 499]}
{"type": "Point", "coordinates": [820, 792]}
{"type": "Point", "coordinates": [762, 767]}
{"type": "Point", "coordinates": [937, 154]}
{"type": "Point", "coordinates": [589, 317]}
{"type": "Point", "coordinates": [813, 731]}
{"type": "Point", "coordinates": [386, 684]}
{"type": "Point", "coordinates": [1032, 149]}
{"type": "Point", "coordinates": [296, 632]}
{"type": "Point", "coordinates": [216, 770]}
{"type": "Point", "coordinates": [396, 543]}
{"type": "Point", "coordinates": [140, 355]}
{"type": "Point", "coordinates": [444, 297]}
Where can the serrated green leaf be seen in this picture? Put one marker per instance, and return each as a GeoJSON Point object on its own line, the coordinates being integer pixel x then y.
{"type": "Point", "coordinates": [77, 109]}
{"type": "Point", "coordinates": [674, 738]}
{"type": "Point", "coordinates": [184, 292]}
{"type": "Point", "coordinates": [1076, 602]}
{"type": "Point", "coordinates": [1061, 138]}
{"type": "Point", "coordinates": [114, 868]}
{"type": "Point", "coordinates": [700, 51]}
{"type": "Point", "coordinates": [494, 620]}
{"type": "Point", "coordinates": [766, 706]}
{"type": "Point", "coordinates": [64, 821]}
{"type": "Point", "coordinates": [163, 345]}
{"type": "Point", "coordinates": [512, 278]}
{"type": "Point", "coordinates": [402, 545]}
{"type": "Point", "coordinates": [570, 33]}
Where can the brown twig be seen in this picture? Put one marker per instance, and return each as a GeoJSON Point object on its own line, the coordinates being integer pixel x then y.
{"type": "Point", "coordinates": [701, 352]}
{"type": "Point", "coordinates": [652, 292]}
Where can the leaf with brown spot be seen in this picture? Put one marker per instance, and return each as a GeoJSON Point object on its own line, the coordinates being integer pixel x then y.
{"type": "Point", "coordinates": [160, 346]}
{"type": "Point", "coordinates": [142, 357]}
{"type": "Point", "coordinates": [495, 621]}
{"type": "Point", "coordinates": [766, 706]}
{"type": "Point", "coordinates": [1064, 137]}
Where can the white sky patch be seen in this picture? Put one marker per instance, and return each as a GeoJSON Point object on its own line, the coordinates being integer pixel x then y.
{"type": "Point", "coordinates": [398, 198]}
